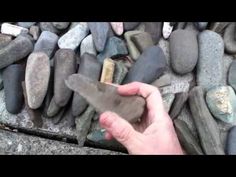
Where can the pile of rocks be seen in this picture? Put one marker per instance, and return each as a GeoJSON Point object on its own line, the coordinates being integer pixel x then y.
{"type": "Point", "coordinates": [191, 63]}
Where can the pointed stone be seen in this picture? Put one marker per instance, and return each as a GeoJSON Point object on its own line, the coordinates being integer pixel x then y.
{"type": "Point", "coordinates": [104, 97]}
{"type": "Point", "coordinates": [107, 71]}
{"type": "Point", "coordinates": [53, 108]}
{"type": "Point", "coordinates": [117, 27]}
{"type": "Point", "coordinates": [186, 138]}
{"type": "Point", "coordinates": [168, 100]}
{"type": "Point", "coordinates": [207, 128]}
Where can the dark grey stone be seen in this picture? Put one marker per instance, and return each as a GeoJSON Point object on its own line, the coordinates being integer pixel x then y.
{"type": "Point", "coordinates": [1, 81]}
{"type": "Point", "coordinates": [219, 27]}
{"type": "Point", "coordinates": [149, 66]}
{"type": "Point", "coordinates": [154, 29]}
{"type": "Point", "coordinates": [231, 142]}
{"type": "Point", "coordinates": [19, 48]}
{"type": "Point", "coordinates": [104, 97]}
{"type": "Point", "coordinates": [61, 25]}
{"type": "Point", "coordinates": [13, 75]}
{"type": "Point", "coordinates": [229, 40]}
{"type": "Point", "coordinates": [120, 72]}
{"type": "Point", "coordinates": [4, 40]}
{"type": "Point", "coordinates": [115, 47]}
{"type": "Point", "coordinates": [207, 128]}
{"type": "Point", "coordinates": [180, 25]}
{"type": "Point", "coordinates": [53, 108]}
{"type": "Point", "coordinates": [142, 41]}
{"type": "Point", "coordinates": [164, 80]}
{"type": "Point", "coordinates": [89, 67]}
{"type": "Point", "coordinates": [130, 25]}
{"type": "Point", "coordinates": [99, 32]}
{"type": "Point", "coordinates": [65, 65]}
{"type": "Point", "coordinates": [232, 75]}
{"type": "Point", "coordinates": [48, 26]}
{"type": "Point", "coordinates": [183, 51]}
{"type": "Point", "coordinates": [46, 43]}
{"type": "Point", "coordinates": [201, 25]}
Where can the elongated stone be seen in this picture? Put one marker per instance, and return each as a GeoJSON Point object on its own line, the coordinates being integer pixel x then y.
{"type": "Point", "coordinates": [65, 65]}
{"type": "Point", "coordinates": [13, 30]}
{"type": "Point", "coordinates": [89, 67]}
{"type": "Point", "coordinates": [53, 108]}
{"type": "Point", "coordinates": [164, 80]}
{"type": "Point", "coordinates": [231, 142]}
{"type": "Point", "coordinates": [15, 50]}
{"type": "Point", "coordinates": [120, 72]}
{"type": "Point", "coordinates": [186, 138]}
{"type": "Point", "coordinates": [218, 27]}
{"type": "Point", "coordinates": [13, 75]}
{"type": "Point", "coordinates": [36, 78]}
{"type": "Point", "coordinates": [73, 38]}
{"type": "Point", "coordinates": [59, 116]}
{"type": "Point", "coordinates": [229, 41]}
{"type": "Point", "coordinates": [207, 128]}
{"type": "Point", "coordinates": [87, 46]}
{"type": "Point", "coordinates": [180, 99]}
{"type": "Point", "coordinates": [133, 51]}
{"type": "Point", "coordinates": [107, 70]}
{"type": "Point", "coordinates": [4, 40]}
{"type": "Point", "coordinates": [168, 100]}
{"type": "Point", "coordinates": [1, 81]}
{"type": "Point", "coordinates": [232, 75]}
{"type": "Point", "coordinates": [154, 29]}
{"type": "Point", "coordinates": [142, 41]}
{"type": "Point", "coordinates": [83, 123]}
{"type": "Point", "coordinates": [104, 97]}
{"type": "Point", "coordinates": [35, 32]}
{"type": "Point", "coordinates": [46, 43]}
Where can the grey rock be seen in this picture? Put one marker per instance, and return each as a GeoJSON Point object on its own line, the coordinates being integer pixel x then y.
{"type": "Point", "coordinates": [180, 99]}
{"type": "Point", "coordinates": [130, 25]}
{"type": "Point", "coordinates": [65, 65]}
{"type": "Point", "coordinates": [222, 103]}
{"type": "Point", "coordinates": [231, 143]}
{"type": "Point", "coordinates": [4, 40]}
{"type": "Point", "coordinates": [61, 25]}
{"type": "Point", "coordinates": [26, 24]}
{"type": "Point", "coordinates": [46, 43]}
{"type": "Point", "coordinates": [19, 48]}
{"type": "Point", "coordinates": [89, 67]}
{"type": "Point", "coordinates": [168, 100]}
{"type": "Point", "coordinates": [114, 48]}
{"type": "Point", "coordinates": [154, 29]}
{"type": "Point", "coordinates": [164, 80]}
{"type": "Point", "coordinates": [187, 139]}
{"type": "Point", "coordinates": [227, 60]}
{"type": "Point", "coordinates": [69, 118]}
{"type": "Point", "coordinates": [99, 32]}
{"type": "Point", "coordinates": [34, 114]}
{"type": "Point", "coordinates": [201, 25]}
{"type": "Point", "coordinates": [47, 26]}
{"type": "Point", "coordinates": [120, 72]}
{"type": "Point", "coordinates": [209, 67]}
{"type": "Point", "coordinates": [73, 24]}
{"type": "Point", "coordinates": [35, 32]}
{"type": "Point", "coordinates": [183, 51]}
{"type": "Point", "coordinates": [133, 51]}
{"type": "Point", "coordinates": [73, 37]}
{"type": "Point", "coordinates": [53, 108]}
{"type": "Point", "coordinates": [87, 46]}
{"type": "Point", "coordinates": [219, 27]}
{"type": "Point", "coordinates": [13, 75]}
{"type": "Point", "coordinates": [181, 25]}
{"type": "Point", "coordinates": [207, 128]}
{"type": "Point", "coordinates": [142, 41]}
{"type": "Point", "coordinates": [150, 65]}
{"type": "Point", "coordinates": [229, 41]}
{"type": "Point", "coordinates": [1, 81]}
{"type": "Point", "coordinates": [59, 116]}
{"type": "Point", "coordinates": [232, 75]}
{"type": "Point", "coordinates": [117, 27]}
{"type": "Point", "coordinates": [21, 144]}
{"type": "Point", "coordinates": [83, 123]}
{"type": "Point", "coordinates": [104, 97]}
{"type": "Point", "coordinates": [36, 78]}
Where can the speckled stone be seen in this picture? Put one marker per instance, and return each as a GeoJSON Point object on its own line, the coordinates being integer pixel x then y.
{"type": "Point", "coordinates": [4, 40]}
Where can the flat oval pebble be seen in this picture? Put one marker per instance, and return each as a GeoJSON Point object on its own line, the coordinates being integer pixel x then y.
{"type": "Point", "coordinates": [229, 40]}
{"type": "Point", "coordinates": [13, 75]}
{"type": "Point", "coordinates": [65, 65]}
{"type": "Point", "coordinates": [37, 78]}
{"type": "Point", "coordinates": [73, 37]}
{"type": "Point", "coordinates": [222, 103]}
{"type": "Point", "coordinates": [61, 25]}
{"type": "Point", "coordinates": [117, 27]}
{"type": "Point", "coordinates": [232, 75]}
{"type": "Point", "coordinates": [17, 49]}
{"type": "Point", "coordinates": [210, 63]}
{"type": "Point", "coordinates": [231, 142]}
{"type": "Point", "coordinates": [183, 51]}
{"type": "Point", "coordinates": [46, 43]}
{"type": "Point", "coordinates": [148, 67]}
{"type": "Point", "coordinates": [100, 32]}
{"type": "Point", "coordinates": [87, 46]}
{"type": "Point", "coordinates": [115, 47]}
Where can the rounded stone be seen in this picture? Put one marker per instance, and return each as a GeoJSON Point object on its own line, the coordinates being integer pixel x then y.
{"type": "Point", "coordinates": [26, 24]}
{"type": "Point", "coordinates": [65, 65]}
{"type": "Point", "coordinates": [37, 78]}
{"type": "Point", "coordinates": [183, 51]}
{"type": "Point", "coordinates": [87, 46]}
{"type": "Point", "coordinates": [232, 75]}
{"type": "Point", "coordinates": [61, 25]}
{"type": "Point", "coordinates": [229, 40]}
{"type": "Point", "coordinates": [231, 142]}
{"type": "Point", "coordinates": [222, 103]}
{"type": "Point", "coordinates": [48, 26]}
{"type": "Point", "coordinates": [13, 75]}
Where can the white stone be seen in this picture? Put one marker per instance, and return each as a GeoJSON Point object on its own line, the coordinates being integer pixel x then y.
{"type": "Point", "coordinates": [117, 27]}
{"type": "Point", "coordinates": [87, 46]}
{"type": "Point", "coordinates": [12, 30]}
{"type": "Point", "coordinates": [73, 38]}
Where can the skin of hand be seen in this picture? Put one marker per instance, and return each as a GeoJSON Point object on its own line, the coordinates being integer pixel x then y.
{"type": "Point", "coordinates": [153, 135]}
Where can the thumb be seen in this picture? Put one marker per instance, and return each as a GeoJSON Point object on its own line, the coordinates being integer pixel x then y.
{"type": "Point", "coordinates": [119, 128]}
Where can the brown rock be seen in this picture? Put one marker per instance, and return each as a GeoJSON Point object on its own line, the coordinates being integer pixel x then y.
{"type": "Point", "coordinates": [108, 70]}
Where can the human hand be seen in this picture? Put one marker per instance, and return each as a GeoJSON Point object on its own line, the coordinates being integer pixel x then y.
{"type": "Point", "coordinates": [154, 134]}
